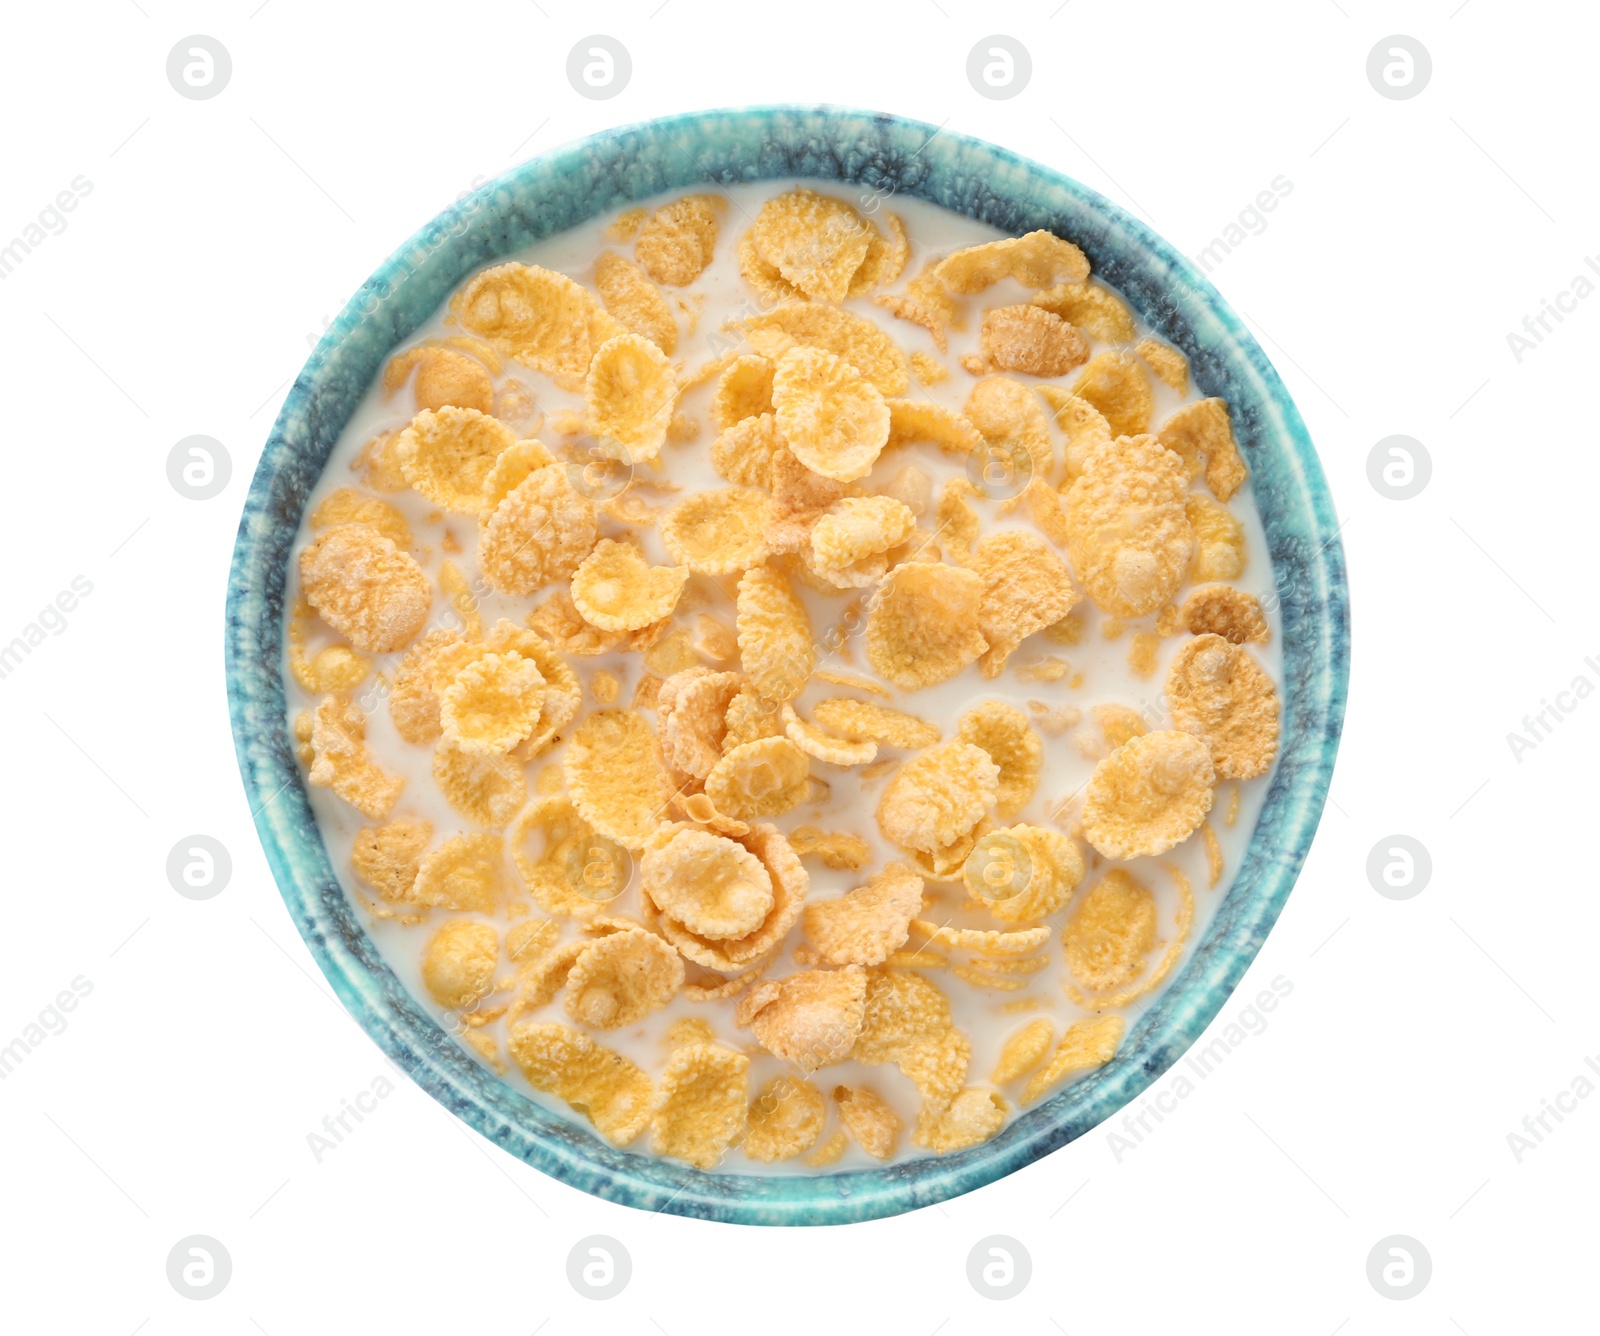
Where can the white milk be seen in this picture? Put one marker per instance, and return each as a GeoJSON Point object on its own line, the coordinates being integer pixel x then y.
{"type": "Point", "coordinates": [718, 296]}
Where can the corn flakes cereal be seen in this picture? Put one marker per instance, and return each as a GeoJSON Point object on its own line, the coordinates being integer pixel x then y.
{"type": "Point", "coordinates": [560, 878]}
{"type": "Point", "coordinates": [923, 302]}
{"type": "Point", "coordinates": [970, 1119]}
{"type": "Point", "coordinates": [763, 778]}
{"type": "Point", "coordinates": [1201, 435]}
{"type": "Point", "coordinates": [886, 257]}
{"type": "Point", "coordinates": [750, 717]}
{"type": "Point", "coordinates": [872, 1123]}
{"type": "Point", "coordinates": [743, 452]}
{"type": "Point", "coordinates": [538, 533]}
{"type": "Point", "coordinates": [349, 506]}
{"type": "Point", "coordinates": [1131, 558]}
{"type": "Point", "coordinates": [447, 454]}
{"type": "Point", "coordinates": [691, 715]}
{"type": "Point", "coordinates": [713, 886]}
{"type": "Point", "coordinates": [1217, 692]}
{"type": "Point", "coordinates": [834, 421]}
{"type": "Point", "coordinates": [341, 762]}
{"type": "Point", "coordinates": [922, 627]}
{"type": "Point", "coordinates": [1097, 311]}
{"type": "Point", "coordinates": [1214, 864]}
{"type": "Point", "coordinates": [938, 796]}
{"type": "Point", "coordinates": [676, 243]}
{"type": "Point", "coordinates": [1026, 588]}
{"type": "Point", "coordinates": [625, 226]}
{"type": "Point", "coordinates": [492, 705]}
{"type": "Point", "coordinates": [386, 857]}
{"type": "Point", "coordinates": [1086, 1045]}
{"type": "Point", "coordinates": [868, 924]}
{"type": "Point", "coordinates": [332, 668]}
{"type": "Point", "coordinates": [784, 1120]}
{"type": "Point", "coordinates": [1003, 732]}
{"type": "Point", "coordinates": [1024, 1050]}
{"type": "Point", "coordinates": [622, 978]}
{"type": "Point", "coordinates": [1110, 933]}
{"type": "Point", "coordinates": [776, 647]}
{"type": "Point", "coordinates": [615, 777]}
{"type": "Point", "coordinates": [1150, 794]}
{"type": "Point", "coordinates": [1219, 552]}
{"type": "Point", "coordinates": [700, 1110]}
{"type": "Point", "coordinates": [927, 370]}
{"type": "Point", "coordinates": [378, 465]}
{"type": "Point", "coordinates": [629, 395]}
{"type": "Point", "coordinates": [718, 533]}
{"type": "Point", "coordinates": [830, 1151]}
{"type": "Point", "coordinates": [364, 587]}
{"type": "Point", "coordinates": [615, 1095]}
{"type": "Point", "coordinates": [1113, 383]}
{"type": "Point", "coordinates": [958, 521]}
{"type": "Point", "coordinates": [1013, 426]}
{"type": "Point", "coordinates": [1037, 260]}
{"type": "Point", "coordinates": [1219, 609]}
{"type": "Point", "coordinates": [770, 285]}
{"type": "Point", "coordinates": [1119, 724]}
{"type": "Point", "coordinates": [1031, 339]}
{"type": "Point", "coordinates": [465, 872]}
{"type": "Point", "coordinates": [811, 1019]}
{"type": "Point", "coordinates": [445, 379]}
{"type": "Point", "coordinates": [855, 530]}
{"type": "Point", "coordinates": [837, 849]}
{"type": "Point", "coordinates": [848, 336]}
{"type": "Point", "coordinates": [635, 301]}
{"type": "Point", "coordinates": [814, 241]}
{"type": "Point", "coordinates": [822, 745]}
{"type": "Point", "coordinates": [986, 941]}
{"type": "Point", "coordinates": [1167, 362]}
{"type": "Point", "coordinates": [1083, 425]}
{"type": "Point", "coordinates": [542, 319]}
{"type": "Point", "coordinates": [1151, 979]}
{"type": "Point", "coordinates": [915, 420]}
{"type": "Point", "coordinates": [1022, 873]}
{"type": "Point", "coordinates": [458, 965]}
{"type": "Point", "coordinates": [878, 723]}
{"type": "Point", "coordinates": [616, 589]}
{"type": "Point", "coordinates": [747, 955]}
{"type": "Point", "coordinates": [743, 391]}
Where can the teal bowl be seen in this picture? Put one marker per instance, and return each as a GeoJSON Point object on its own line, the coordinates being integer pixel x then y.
{"type": "Point", "coordinates": [883, 155]}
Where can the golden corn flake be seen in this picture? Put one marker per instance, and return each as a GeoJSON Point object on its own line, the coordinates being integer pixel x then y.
{"type": "Point", "coordinates": [743, 391]}
{"type": "Point", "coordinates": [1004, 733]}
{"type": "Point", "coordinates": [776, 648]}
{"type": "Point", "coordinates": [872, 1123]}
{"type": "Point", "coordinates": [822, 745]}
{"type": "Point", "coordinates": [1202, 436]}
{"type": "Point", "coordinates": [691, 720]}
{"type": "Point", "coordinates": [833, 419]}
{"type": "Point", "coordinates": [445, 378]}
{"type": "Point", "coordinates": [1026, 588]}
{"type": "Point", "coordinates": [1219, 551]}
{"type": "Point", "coordinates": [886, 257]}
{"type": "Point", "coordinates": [676, 242]}
{"type": "Point", "coordinates": [915, 420]}
{"type": "Point", "coordinates": [459, 962]}
{"type": "Point", "coordinates": [1083, 425]}
{"type": "Point", "coordinates": [1097, 311]}
{"type": "Point", "coordinates": [924, 302]}
{"type": "Point", "coordinates": [836, 849]}
{"type": "Point", "coordinates": [810, 1019]}
{"type": "Point", "coordinates": [701, 1107]}
{"type": "Point", "coordinates": [784, 1120]}
{"type": "Point", "coordinates": [938, 796]}
{"type": "Point", "coordinates": [1119, 724]}
{"type": "Point", "coordinates": [615, 777]}
{"type": "Point", "coordinates": [770, 285]}
{"type": "Point", "coordinates": [630, 393]}
{"type": "Point", "coordinates": [1130, 557]}
{"type": "Point", "coordinates": [1015, 432]}
{"type": "Point", "coordinates": [715, 887]}
{"type": "Point", "coordinates": [1024, 1050]}
{"type": "Point", "coordinates": [922, 627]}
{"type": "Point", "coordinates": [576, 868]}
{"type": "Point", "coordinates": [1217, 692]}
{"type": "Point", "coordinates": [958, 521]}
{"type": "Point", "coordinates": [848, 336]}
{"type": "Point", "coordinates": [903, 1012]}
{"type": "Point", "coordinates": [485, 789]}
{"type": "Point", "coordinates": [1086, 1045]}
{"type": "Point", "coordinates": [985, 941]}
{"type": "Point", "coordinates": [1150, 794]}
{"type": "Point", "coordinates": [465, 872]}
{"type": "Point", "coordinates": [604, 1086]}
{"type": "Point", "coordinates": [386, 857]}
{"type": "Point", "coordinates": [1167, 362]}
{"type": "Point", "coordinates": [719, 532]}
{"type": "Point", "coordinates": [1031, 339]}
{"type": "Point", "coordinates": [331, 668]}
{"type": "Point", "coordinates": [853, 531]}
{"type": "Point", "coordinates": [542, 319]}
{"type": "Point", "coordinates": [514, 464]}
{"type": "Point", "coordinates": [492, 705]}
{"type": "Point", "coordinates": [750, 717]}
{"type": "Point", "coordinates": [341, 762]}
{"type": "Point", "coordinates": [867, 721]}
{"type": "Point", "coordinates": [1110, 933]}
{"type": "Point", "coordinates": [635, 301]}
{"type": "Point", "coordinates": [1037, 260]}
{"type": "Point", "coordinates": [830, 1151]}
{"type": "Point", "coordinates": [814, 241]}
{"type": "Point", "coordinates": [763, 778]}
{"type": "Point", "coordinates": [622, 978]}
{"type": "Point", "coordinates": [869, 923]}
{"type": "Point", "coordinates": [616, 589]}
{"type": "Point", "coordinates": [798, 491]}
{"type": "Point", "coordinates": [539, 532]}
{"type": "Point", "coordinates": [970, 1119]}
{"type": "Point", "coordinates": [1219, 609]}
{"type": "Point", "coordinates": [743, 453]}
{"type": "Point", "coordinates": [1113, 383]}
{"type": "Point", "coordinates": [378, 464]}
{"type": "Point", "coordinates": [928, 370]}
{"type": "Point", "coordinates": [346, 505]}
{"type": "Point", "coordinates": [364, 587]}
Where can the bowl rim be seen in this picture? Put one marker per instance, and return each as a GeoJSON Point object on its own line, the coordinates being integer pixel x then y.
{"type": "Point", "coordinates": [843, 139]}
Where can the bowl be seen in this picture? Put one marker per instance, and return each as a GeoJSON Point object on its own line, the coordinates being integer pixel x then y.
{"type": "Point", "coordinates": [882, 155]}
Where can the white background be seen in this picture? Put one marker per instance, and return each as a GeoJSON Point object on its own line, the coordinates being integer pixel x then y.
{"type": "Point", "coordinates": [218, 237]}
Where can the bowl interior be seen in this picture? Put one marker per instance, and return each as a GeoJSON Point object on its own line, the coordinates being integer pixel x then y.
{"type": "Point", "coordinates": [883, 156]}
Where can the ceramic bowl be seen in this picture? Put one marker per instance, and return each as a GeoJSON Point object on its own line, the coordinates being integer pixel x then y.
{"type": "Point", "coordinates": [879, 155]}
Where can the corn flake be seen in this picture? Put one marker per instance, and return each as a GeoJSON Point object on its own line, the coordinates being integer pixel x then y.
{"type": "Point", "coordinates": [1170, 366]}
{"type": "Point", "coordinates": [886, 257]}
{"type": "Point", "coordinates": [630, 393]}
{"type": "Point", "coordinates": [872, 1123]}
{"type": "Point", "coordinates": [614, 1094]}
{"type": "Point", "coordinates": [622, 978]}
{"type": "Point", "coordinates": [836, 849]}
{"type": "Point", "coordinates": [1219, 609]}
{"type": "Point", "coordinates": [1014, 430]}
{"type": "Point", "coordinates": [868, 924]}
{"type": "Point", "coordinates": [1217, 692]}
{"type": "Point", "coordinates": [1083, 425]}
{"type": "Point", "coordinates": [1004, 733]}
{"type": "Point", "coordinates": [1024, 1050]}
{"type": "Point", "coordinates": [1150, 794]}
{"type": "Point", "coordinates": [776, 648]}
{"type": "Point", "coordinates": [346, 505]}
{"type": "Point", "coordinates": [763, 778]}
{"type": "Point", "coordinates": [1219, 551]}
{"type": "Point", "coordinates": [784, 1119]}
{"type": "Point", "coordinates": [616, 589]}
{"type": "Point", "coordinates": [1086, 1045]}
{"type": "Point", "coordinates": [341, 762]}
{"type": "Point", "coordinates": [691, 718]}
{"type": "Point", "coordinates": [922, 627]}
{"type": "Point", "coordinates": [877, 723]}
{"type": "Point", "coordinates": [770, 285]}
{"type": "Point", "coordinates": [814, 241]}
{"type": "Point", "coordinates": [833, 420]}
{"type": "Point", "coordinates": [466, 872]}
{"type": "Point", "coordinates": [386, 857]}
{"type": "Point", "coordinates": [364, 587]}
{"type": "Point", "coordinates": [1032, 340]}
{"type": "Point", "coordinates": [924, 302]}
{"type": "Point", "coordinates": [713, 886]}
{"type": "Point", "coordinates": [743, 453]}
{"type": "Point", "coordinates": [539, 532]}
{"type": "Point", "coordinates": [1112, 930]}
{"type": "Point", "coordinates": [1097, 311]}
{"type": "Point", "coordinates": [676, 243]}
{"type": "Point", "coordinates": [938, 796]}
{"type": "Point", "coordinates": [542, 319]}
{"type": "Point", "coordinates": [846, 335]}
{"type": "Point", "coordinates": [852, 532]}
{"type": "Point", "coordinates": [635, 301]}
{"type": "Point", "coordinates": [459, 962]}
{"type": "Point", "coordinates": [1026, 588]}
{"type": "Point", "coordinates": [700, 1110]}
{"type": "Point", "coordinates": [615, 777]}
{"type": "Point", "coordinates": [818, 743]}
{"type": "Point", "coordinates": [719, 532]}
{"type": "Point", "coordinates": [1201, 435]}
{"type": "Point", "coordinates": [1037, 260]}
{"type": "Point", "coordinates": [445, 378]}
{"type": "Point", "coordinates": [811, 1019]}
{"type": "Point", "coordinates": [1113, 383]}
